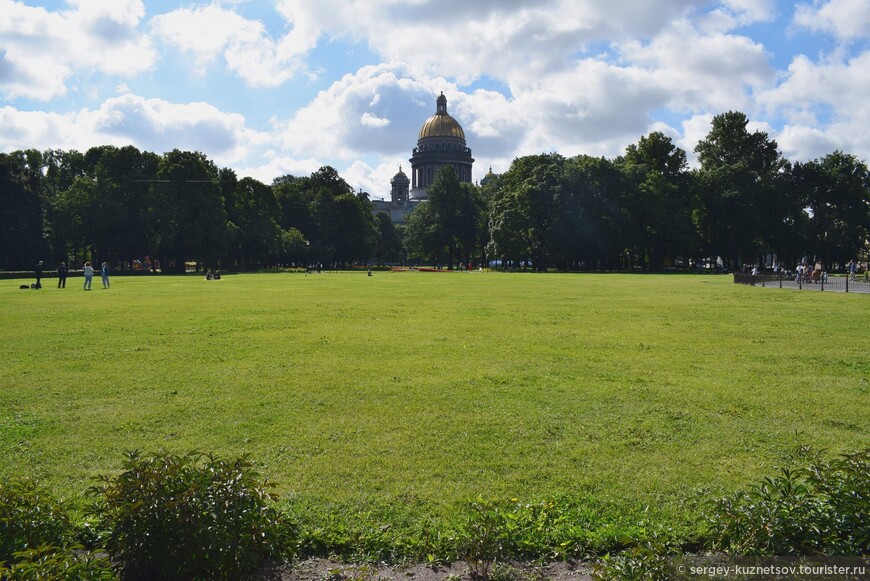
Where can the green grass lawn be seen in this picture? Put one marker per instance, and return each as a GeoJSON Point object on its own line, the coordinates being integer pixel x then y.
{"type": "Point", "coordinates": [426, 390]}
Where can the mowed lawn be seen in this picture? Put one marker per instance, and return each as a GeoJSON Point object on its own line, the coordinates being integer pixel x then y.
{"type": "Point", "coordinates": [431, 389]}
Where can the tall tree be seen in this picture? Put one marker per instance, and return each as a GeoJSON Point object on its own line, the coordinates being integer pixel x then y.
{"type": "Point", "coordinates": [660, 209]}
{"type": "Point", "coordinates": [601, 221]}
{"type": "Point", "coordinates": [253, 210]}
{"type": "Point", "coordinates": [21, 212]}
{"type": "Point", "coordinates": [293, 200]}
{"type": "Point", "coordinates": [388, 244]}
{"type": "Point", "coordinates": [424, 239]}
{"type": "Point", "coordinates": [508, 229]}
{"type": "Point", "coordinates": [351, 229]}
{"type": "Point", "coordinates": [836, 192]}
{"type": "Point", "coordinates": [738, 180]}
{"type": "Point", "coordinates": [124, 176]}
{"type": "Point", "coordinates": [61, 169]}
{"type": "Point", "coordinates": [187, 210]}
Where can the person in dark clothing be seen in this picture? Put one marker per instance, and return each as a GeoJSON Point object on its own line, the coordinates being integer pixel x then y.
{"type": "Point", "coordinates": [38, 271]}
{"type": "Point", "coordinates": [62, 271]}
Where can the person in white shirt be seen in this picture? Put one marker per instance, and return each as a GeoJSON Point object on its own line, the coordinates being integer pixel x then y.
{"type": "Point", "coordinates": [89, 275]}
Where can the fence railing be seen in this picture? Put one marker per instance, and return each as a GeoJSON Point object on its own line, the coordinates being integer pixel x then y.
{"type": "Point", "coordinates": [841, 284]}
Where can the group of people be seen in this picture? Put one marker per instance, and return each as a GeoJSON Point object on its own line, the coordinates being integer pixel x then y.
{"type": "Point", "coordinates": [807, 273]}
{"type": "Point", "coordinates": [63, 272]}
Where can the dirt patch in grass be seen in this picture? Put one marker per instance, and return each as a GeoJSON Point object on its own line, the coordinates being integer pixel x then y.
{"type": "Point", "coordinates": [327, 570]}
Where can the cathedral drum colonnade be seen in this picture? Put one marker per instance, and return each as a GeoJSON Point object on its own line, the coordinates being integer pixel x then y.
{"type": "Point", "coordinates": [441, 142]}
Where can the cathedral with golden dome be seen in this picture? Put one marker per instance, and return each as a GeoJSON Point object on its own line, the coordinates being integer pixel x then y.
{"type": "Point", "coordinates": [441, 142]}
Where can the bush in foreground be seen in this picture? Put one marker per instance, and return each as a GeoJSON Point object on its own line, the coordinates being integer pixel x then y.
{"type": "Point", "coordinates": [51, 562]}
{"type": "Point", "coordinates": [821, 509]}
{"type": "Point", "coordinates": [29, 517]}
{"type": "Point", "coordinates": [191, 516]}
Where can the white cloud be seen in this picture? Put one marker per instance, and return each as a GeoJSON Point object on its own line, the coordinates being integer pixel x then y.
{"type": "Point", "coordinates": [802, 143]}
{"type": "Point", "coordinates": [825, 106]}
{"type": "Point", "coordinates": [150, 124]}
{"type": "Point", "coordinates": [701, 72]}
{"type": "Point", "coordinates": [41, 50]}
{"type": "Point", "coordinates": [751, 11]}
{"type": "Point", "coordinates": [513, 40]}
{"type": "Point", "coordinates": [158, 125]}
{"type": "Point", "coordinates": [845, 19]}
{"type": "Point", "coordinates": [211, 31]}
{"type": "Point", "coordinates": [370, 120]}
{"type": "Point", "coordinates": [278, 166]}
{"type": "Point", "coordinates": [375, 181]}
{"type": "Point", "coordinates": [377, 110]}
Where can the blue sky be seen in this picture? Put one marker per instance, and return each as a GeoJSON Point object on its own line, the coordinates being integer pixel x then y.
{"type": "Point", "coordinates": [285, 86]}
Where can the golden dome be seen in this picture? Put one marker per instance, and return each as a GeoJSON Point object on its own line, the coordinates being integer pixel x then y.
{"type": "Point", "coordinates": [441, 124]}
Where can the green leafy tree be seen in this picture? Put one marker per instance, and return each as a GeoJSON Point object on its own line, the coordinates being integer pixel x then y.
{"type": "Point", "coordinates": [659, 216]}
{"type": "Point", "coordinates": [535, 206]}
{"type": "Point", "coordinates": [253, 209]}
{"type": "Point", "coordinates": [738, 188]}
{"type": "Point", "coordinates": [294, 247]}
{"type": "Point", "coordinates": [351, 231]}
{"type": "Point", "coordinates": [388, 244]}
{"type": "Point", "coordinates": [293, 199]}
{"type": "Point", "coordinates": [508, 227]}
{"type": "Point", "coordinates": [21, 213]}
{"type": "Point", "coordinates": [122, 177]}
{"type": "Point", "coordinates": [188, 220]}
{"type": "Point", "coordinates": [835, 190]}
{"type": "Point", "coordinates": [423, 239]}
{"type": "Point", "coordinates": [61, 169]}
{"type": "Point", "coordinates": [337, 224]}
{"type": "Point", "coordinates": [600, 219]}
{"type": "Point", "coordinates": [446, 198]}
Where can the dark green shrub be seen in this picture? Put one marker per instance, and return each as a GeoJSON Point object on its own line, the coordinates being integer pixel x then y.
{"type": "Point", "coordinates": [844, 483]}
{"type": "Point", "coordinates": [191, 516]}
{"type": "Point", "coordinates": [822, 509]}
{"type": "Point", "coordinates": [29, 517]}
{"type": "Point", "coordinates": [51, 562]}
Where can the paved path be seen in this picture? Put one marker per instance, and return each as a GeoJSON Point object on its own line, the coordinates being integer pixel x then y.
{"type": "Point", "coordinates": [834, 284]}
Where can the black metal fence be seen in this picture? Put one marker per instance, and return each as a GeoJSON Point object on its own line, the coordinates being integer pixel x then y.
{"type": "Point", "coordinates": [783, 279]}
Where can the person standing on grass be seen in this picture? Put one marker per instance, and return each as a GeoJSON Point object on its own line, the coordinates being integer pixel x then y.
{"type": "Point", "coordinates": [62, 271]}
{"type": "Point", "coordinates": [38, 272]}
{"type": "Point", "coordinates": [104, 271]}
{"type": "Point", "coordinates": [89, 275]}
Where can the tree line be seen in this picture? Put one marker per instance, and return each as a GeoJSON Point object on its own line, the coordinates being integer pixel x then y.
{"type": "Point", "coordinates": [644, 209]}
{"type": "Point", "coordinates": [127, 206]}
{"type": "Point", "coordinates": [744, 204]}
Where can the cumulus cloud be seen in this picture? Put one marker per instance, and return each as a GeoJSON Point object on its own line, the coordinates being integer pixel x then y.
{"type": "Point", "coordinates": [150, 124]}
{"type": "Point", "coordinates": [751, 11]}
{"type": "Point", "coordinates": [824, 104]}
{"type": "Point", "coordinates": [209, 32]}
{"type": "Point", "coordinates": [713, 71]}
{"type": "Point", "coordinates": [845, 19]}
{"type": "Point", "coordinates": [511, 40]}
{"type": "Point", "coordinates": [378, 110]}
{"type": "Point", "coordinates": [278, 166]}
{"type": "Point", "coordinates": [42, 49]}
{"type": "Point", "coordinates": [157, 124]}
